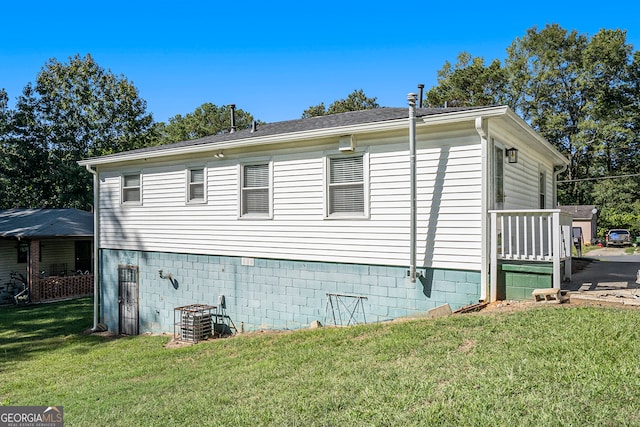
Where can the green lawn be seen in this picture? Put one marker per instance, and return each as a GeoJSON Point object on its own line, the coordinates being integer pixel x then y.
{"type": "Point", "coordinates": [547, 366]}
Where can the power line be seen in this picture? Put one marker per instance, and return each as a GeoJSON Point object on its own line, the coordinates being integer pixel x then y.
{"type": "Point", "coordinates": [599, 178]}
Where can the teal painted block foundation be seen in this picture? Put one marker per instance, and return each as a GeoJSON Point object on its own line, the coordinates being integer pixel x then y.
{"type": "Point", "coordinates": [518, 280]}
{"type": "Point", "coordinates": [519, 286]}
{"type": "Point", "coordinates": [275, 294]}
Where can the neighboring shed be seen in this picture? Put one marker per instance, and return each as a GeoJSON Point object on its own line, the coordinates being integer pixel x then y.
{"type": "Point", "coordinates": [281, 218]}
{"type": "Point", "coordinates": [584, 217]}
{"type": "Point", "coordinates": [51, 248]}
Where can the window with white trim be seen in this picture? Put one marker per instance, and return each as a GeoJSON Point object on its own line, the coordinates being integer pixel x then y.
{"type": "Point", "coordinates": [543, 190]}
{"type": "Point", "coordinates": [196, 183]}
{"type": "Point", "coordinates": [131, 188]}
{"type": "Point", "coordinates": [346, 186]}
{"type": "Point", "coordinates": [255, 190]}
{"type": "Point", "coordinates": [498, 177]}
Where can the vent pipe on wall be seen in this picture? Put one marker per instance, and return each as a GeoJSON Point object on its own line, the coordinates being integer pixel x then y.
{"type": "Point", "coordinates": [412, 165]}
{"type": "Point", "coordinates": [233, 118]}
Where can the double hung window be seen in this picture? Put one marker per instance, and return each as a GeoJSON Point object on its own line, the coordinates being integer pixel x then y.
{"type": "Point", "coordinates": [196, 183]}
{"type": "Point", "coordinates": [131, 188]}
{"type": "Point", "coordinates": [543, 190]}
{"type": "Point", "coordinates": [255, 200]}
{"type": "Point", "coordinates": [346, 186]}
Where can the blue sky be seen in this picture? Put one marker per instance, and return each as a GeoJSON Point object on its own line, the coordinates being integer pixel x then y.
{"type": "Point", "coordinates": [275, 59]}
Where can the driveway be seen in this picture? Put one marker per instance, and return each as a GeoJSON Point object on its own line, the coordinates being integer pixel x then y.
{"type": "Point", "coordinates": [609, 277]}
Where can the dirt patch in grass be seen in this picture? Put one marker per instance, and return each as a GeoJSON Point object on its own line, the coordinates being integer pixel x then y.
{"type": "Point", "coordinates": [508, 306]}
{"type": "Point", "coordinates": [467, 346]}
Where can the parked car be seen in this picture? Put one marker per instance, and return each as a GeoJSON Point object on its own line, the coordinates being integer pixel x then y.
{"type": "Point", "coordinates": [619, 237]}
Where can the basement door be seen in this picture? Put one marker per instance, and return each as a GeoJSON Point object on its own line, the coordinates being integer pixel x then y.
{"type": "Point", "coordinates": [128, 306]}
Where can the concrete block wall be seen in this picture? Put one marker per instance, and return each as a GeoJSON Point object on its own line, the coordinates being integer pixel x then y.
{"type": "Point", "coordinates": [275, 294]}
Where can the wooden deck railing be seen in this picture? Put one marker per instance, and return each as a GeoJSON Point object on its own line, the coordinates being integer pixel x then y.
{"type": "Point", "coordinates": [62, 287]}
{"type": "Point", "coordinates": [529, 236]}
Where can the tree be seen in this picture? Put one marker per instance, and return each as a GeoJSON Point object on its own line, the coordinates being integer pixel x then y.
{"type": "Point", "coordinates": [468, 83]}
{"type": "Point", "coordinates": [582, 94]}
{"type": "Point", "coordinates": [575, 92]}
{"type": "Point", "coordinates": [89, 110]}
{"type": "Point", "coordinates": [5, 113]}
{"type": "Point", "coordinates": [5, 130]}
{"type": "Point", "coordinates": [315, 111]}
{"type": "Point", "coordinates": [207, 119]}
{"type": "Point", "coordinates": [75, 110]}
{"type": "Point", "coordinates": [25, 166]}
{"type": "Point", "coordinates": [355, 101]}
{"type": "Point", "coordinates": [618, 201]}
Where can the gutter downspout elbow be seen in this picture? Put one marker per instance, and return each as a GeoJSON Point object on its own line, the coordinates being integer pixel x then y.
{"type": "Point", "coordinates": [96, 246]}
{"type": "Point", "coordinates": [555, 182]}
{"type": "Point", "coordinates": [412, 165]}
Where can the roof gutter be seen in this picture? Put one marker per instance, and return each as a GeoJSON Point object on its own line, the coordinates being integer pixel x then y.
{"type": "Point", "coordinates": [96, 246]}
{"type": "Point", "coordinates": [314, 134]}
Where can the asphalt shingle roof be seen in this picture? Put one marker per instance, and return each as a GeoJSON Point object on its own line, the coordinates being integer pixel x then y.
{"type": "Point", "coordinates": [579, 211]}
{"type": "Point", "coordinates": [350, 118]}
{"type": "Point", "coordinates": [45, 223]}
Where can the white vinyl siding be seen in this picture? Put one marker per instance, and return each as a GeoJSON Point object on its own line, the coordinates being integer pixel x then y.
{"type": "Point", "coordinates": [196, 188]}
{"type": "Point", "coordinates": [449, 202]}
{"type": "Point", "coordinates": [255, 190]}
{"type": "Point", "coordinates": [131, 188]}
{"type": "Point", "coordinates": [449, 207]}
{"type": "Point", "coordinates": [346, 186]}
{"type": "Point", "coordinates": [522, 181]}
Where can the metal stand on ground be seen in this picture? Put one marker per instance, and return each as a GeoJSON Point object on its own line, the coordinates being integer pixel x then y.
{"type": "Point", "coordinates": [344, 307]}
{"type": "Point", "coordinates": [223, 325]}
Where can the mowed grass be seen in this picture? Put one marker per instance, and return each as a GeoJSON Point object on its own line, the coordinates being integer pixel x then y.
{"type": "Point", "coordinates": [547, 366]}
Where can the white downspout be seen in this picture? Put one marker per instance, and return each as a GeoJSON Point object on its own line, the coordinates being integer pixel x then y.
{"type": "Point", "coordinates": [484, 208]}
{"type": "Point", "coordinates": [96, 246]}
{"type": "Point", "coordinates": [412, 166]}
{"type": "Point", "coordinates": [555, 184]}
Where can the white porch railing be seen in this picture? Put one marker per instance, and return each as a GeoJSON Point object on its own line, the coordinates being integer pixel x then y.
{"type": "Point", "coordinates": [530, 235]}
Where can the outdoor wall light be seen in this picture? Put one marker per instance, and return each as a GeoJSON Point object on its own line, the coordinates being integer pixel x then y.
{"type": "Point", "coordinates": [219, 155]}
{"type": "Point", "coordinates": [512, 155]}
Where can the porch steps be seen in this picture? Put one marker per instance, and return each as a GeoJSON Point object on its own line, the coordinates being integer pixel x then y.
{"type": "Point", "coordinates": [549, 295]}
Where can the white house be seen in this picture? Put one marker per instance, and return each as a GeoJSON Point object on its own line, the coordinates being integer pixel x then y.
{"type": "Point", "coordinates": [283, 217]}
